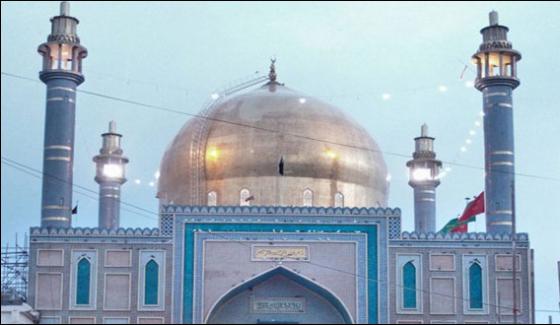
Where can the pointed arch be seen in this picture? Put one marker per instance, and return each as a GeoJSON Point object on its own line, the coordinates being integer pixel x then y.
{"type": "Point", "coordinates": [475, 286]}
{"type": "Point", "coordinates": [244, 197]}
{"type": "Point", "coordinates": [297, 278]}
{"type": "Point", "coordinates": [338, 200]}
{"type": "Point", "coordinates": [212, 198]}
{"type": "Point", "coordinates": [307, 197]}
{"type": "Point", "coordinates": [409, 285]}
{"type": "Point", "coordinates": [83, 281]}
{"type": "Point", "coordinates": [151, 283]}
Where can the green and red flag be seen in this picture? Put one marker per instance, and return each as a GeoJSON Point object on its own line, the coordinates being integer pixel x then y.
{"type": "Point", "coordinates": [452, 224]}
{"type": "Point", "coordinates": [460, 224]}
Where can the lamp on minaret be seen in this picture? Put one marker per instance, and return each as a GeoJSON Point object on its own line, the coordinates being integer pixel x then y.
{"type": "Point", "coordinates": [110, 176]}
{"type": "Point", "coordinates": [496, 63]}
{"type": "Point", "coordinates": [424, 178]}
{"type": "Point", "coordinates": [62, 73]}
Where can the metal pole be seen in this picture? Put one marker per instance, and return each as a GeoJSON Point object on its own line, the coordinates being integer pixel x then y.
{"type": "Point", "coordinates": [499, 308]}
{"type": "Point", "coordinates": [559, 284]}
{"type": "Point", "coordinates": [514, 264]}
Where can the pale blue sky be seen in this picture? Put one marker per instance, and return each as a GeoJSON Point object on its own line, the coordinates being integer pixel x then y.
{"type": "Point", "coordinates": [350, 54]}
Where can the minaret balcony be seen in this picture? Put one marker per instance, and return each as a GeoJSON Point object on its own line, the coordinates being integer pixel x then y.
{"type": "Point", "coordinates": [496, 64]}
{"type": "Point", "coordinates": [62, 57]}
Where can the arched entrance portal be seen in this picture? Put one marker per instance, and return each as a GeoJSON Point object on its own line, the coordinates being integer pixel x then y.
{"type": "Point", "coordinates": [279, 296]}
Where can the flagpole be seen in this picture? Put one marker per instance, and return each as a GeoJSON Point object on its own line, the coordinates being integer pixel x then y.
{"type": "Point", "coordinates": [499, 308]}
{"type": "Point", "coordinates": [514, 263]}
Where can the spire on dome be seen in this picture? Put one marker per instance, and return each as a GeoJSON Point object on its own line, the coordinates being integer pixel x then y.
{"type": "Point", "coordinates": [272, 72]}
{"type": "Point", "coordinates": [424, 130]}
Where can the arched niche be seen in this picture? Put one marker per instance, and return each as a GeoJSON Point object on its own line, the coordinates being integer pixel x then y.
{"type": "Point", "coordinates": [240, 305]}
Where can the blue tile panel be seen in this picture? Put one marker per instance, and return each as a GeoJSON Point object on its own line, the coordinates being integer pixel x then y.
{"type": "Point", "coordinates": [372, 250]}
{"type": "Point", "coordinates": [475, 286]}
{"type": "Point", "coordinates": [409, 285]}
{"type": "Point", "coordinates": [151, 283]}
{"type": "Point", "coordinates": [83, 283]}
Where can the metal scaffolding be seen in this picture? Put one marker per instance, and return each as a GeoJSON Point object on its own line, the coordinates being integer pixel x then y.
{"type": "Point", "coordinates": [15, 265]}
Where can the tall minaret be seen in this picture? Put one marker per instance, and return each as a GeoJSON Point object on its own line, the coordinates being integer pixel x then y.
{"type": "Point", "coordinates": [110, 176]}
{"type": "Point", "coordinates": [496, 62]}
{"type": "Point", "coordinates": [424, 178]}
{"type": "Point", "coordinates": [62, 73]}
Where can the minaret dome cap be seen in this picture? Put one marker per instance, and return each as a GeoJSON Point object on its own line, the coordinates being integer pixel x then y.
{"type": "Point", "coordinates": [65, 8]}
{"type": "Point", "coordinates": [493, 17]}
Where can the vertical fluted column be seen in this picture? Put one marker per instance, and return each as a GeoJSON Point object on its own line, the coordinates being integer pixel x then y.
{"type": "Point", "coordinates": [424, 178]}
{"type": "Point", "coordinates": [58, 151]}
{"type": "Point", "coordinates": [61, 73]}
{"type": "Point", "coordinates": [499, 157]}
{"type": "Point", "coordinates": [497, 85]}
{"type": "Point", "coordinates": [110, 175]}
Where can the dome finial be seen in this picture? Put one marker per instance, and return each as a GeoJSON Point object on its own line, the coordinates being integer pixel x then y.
{"type": "Point", "coordinates": [64, 8]}
{"type": "Point", "coordinates": [424, 130]}
{"type": "Point", "coordinates": [272, 73]}
{"type": "Point", "coordinates": [493, 18]}
{"type": "Point", "coordinates": [112, 127]}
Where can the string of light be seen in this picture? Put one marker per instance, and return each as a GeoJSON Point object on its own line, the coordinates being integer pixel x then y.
{"type": "Point", "coordinates": [442, 88]}
{"type": "Point", "coordinates": [33, 172]}
{"type": "Point", "coordinates": [239, 124]}
{"type": "Point", "coordinates": [427, 291]}
{"type": "Point", "coordinates": [385, 97]}
{"type": "Point", "coordinates": [25, 168]}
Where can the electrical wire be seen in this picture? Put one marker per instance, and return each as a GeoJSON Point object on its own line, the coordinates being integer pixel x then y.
{"type": "Point", "coordinates": [29, 170]}
{"type": "Point", "coordinates": [238, 124]}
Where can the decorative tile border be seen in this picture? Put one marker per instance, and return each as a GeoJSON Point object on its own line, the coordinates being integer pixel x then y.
{"type": "Point", "coordinates": [279, 211]}
{"type": "Point", "coordinates": [94, 232]}
{"type": "Point", "coordinates": [314, 222]}
{"type": "Point", "coordinates": [359, 239]}
{"type": "Point", "coordinates": [477, 236]}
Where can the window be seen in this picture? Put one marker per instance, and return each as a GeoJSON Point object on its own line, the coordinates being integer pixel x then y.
{"type": "Point", "coordinates": [508, 70]}
{"type": "Point", "coordinates": [338, 200]}
{"type": "Point", "coordinates": [66, 56]}
{"type": "Point", "coordinates": [83, 282]}
{"type": "Point", "coordinates": [151, 280]}
{"type": "Point", "coordinates": [475, 286]}
{"type": "Point", "coordinates": [83, 279]}
{"type": "Point", "coordinates": [54, 59]}
{"type": "Point", "coordinates": [151, 283]}
{"type": "Point", "coordinates": [307, 198]}
{"type": "Point", "coordinates": [245, 197]}
{"type": "Point", "coordinates": [494, 70]}
{"type": "Point", "coordinates": [212, 198]}
{"type": "Point", "coordinates": [409, 285]}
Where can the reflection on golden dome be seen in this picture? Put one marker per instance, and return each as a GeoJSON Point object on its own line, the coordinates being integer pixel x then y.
{"type": "Point", "coordinates": [245, 140]}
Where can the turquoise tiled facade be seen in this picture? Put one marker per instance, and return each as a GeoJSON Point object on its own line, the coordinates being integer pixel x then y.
{"type": "Point", "coordinates": [281, 263]}
{"type": "Point", "coordinates": [201, 234]}
{"type": "Point", "coordinates": [286, 224]}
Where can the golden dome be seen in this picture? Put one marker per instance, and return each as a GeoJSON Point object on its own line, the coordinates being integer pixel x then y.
{"type": "Point", "coordinates": [234, 155]}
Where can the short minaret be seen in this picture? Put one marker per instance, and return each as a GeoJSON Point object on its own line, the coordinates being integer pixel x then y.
{"type": "Point", "coordinates": [110, 176]}
{"type": "Point", "coordinates": [62, 73]}
{"type": "Point", "coordinates": [424, 178]}
{"type": "Point", "coordinates": [496, 62]}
